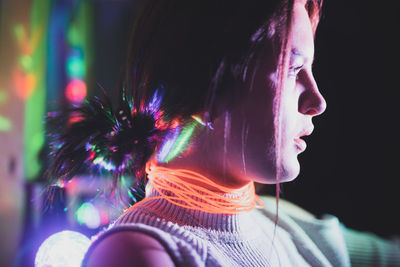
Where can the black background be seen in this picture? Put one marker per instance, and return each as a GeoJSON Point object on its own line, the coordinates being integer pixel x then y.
{"type": "Point", "coordinates": [350, 168]}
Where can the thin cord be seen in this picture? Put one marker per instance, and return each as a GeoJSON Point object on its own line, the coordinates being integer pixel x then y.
{"type": "Point", "coordinates": [178, 187]}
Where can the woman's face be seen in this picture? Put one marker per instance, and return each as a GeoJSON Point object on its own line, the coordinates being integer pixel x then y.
{"type": "Point", "coordinates": [242, 145]}
{"type": "Point", "coordinates": [252, 148]}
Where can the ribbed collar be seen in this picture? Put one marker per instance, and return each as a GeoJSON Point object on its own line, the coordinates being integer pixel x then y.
{"type": "Point", "coordinates": [239, 224]}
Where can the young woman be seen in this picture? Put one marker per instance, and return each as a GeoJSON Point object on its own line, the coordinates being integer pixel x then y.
{"type": "Point", "coordinates": [217, 96]}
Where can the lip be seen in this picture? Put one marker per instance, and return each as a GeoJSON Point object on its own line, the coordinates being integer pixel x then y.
{"type": "Point", "coordinates": [300, 143]}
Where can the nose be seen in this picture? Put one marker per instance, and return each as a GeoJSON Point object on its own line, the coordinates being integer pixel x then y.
{"type": "Point", "coordinates": [311, 101]}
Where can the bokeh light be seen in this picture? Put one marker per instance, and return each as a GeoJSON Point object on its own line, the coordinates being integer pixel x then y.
{"type": "Point", "coordinates": [88, 214]}
{"type": "Point", "coordinates": [5, 124]}
{"type": "Point", "coordinates": [3, 96]}
{"type": "Point", "coordinates": [24, 84]}
{"type": "Point", "coordinates": [76, 91]}
{"type": "Point", "coordinates": [19, 32]}
{"type": "Point", "coordinates": [26, 63]}
{"type": "Point", "coordinates": [74, 36]}
{"type": "Point", "coordinates": [75, 64]}
{"type": "Point", "coordinates": [63, 249]}
{"type": "Point", "coordinates": [75, 67]}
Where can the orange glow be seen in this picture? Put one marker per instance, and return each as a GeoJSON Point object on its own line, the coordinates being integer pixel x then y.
{"type": "Point", "coordinates": [76, 91]}
{"type": "Point", "coordinates": [181, 187]}
{"type": "Point", "coordinates": [24, 84]}
{"type": "Point", "coordinates": [174, 123]}
{"type": "Point", "coordinates": [74, 119]}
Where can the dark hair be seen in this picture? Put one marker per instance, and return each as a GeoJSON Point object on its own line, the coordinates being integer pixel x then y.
{"type": "Point", "coordinates": [196, 54]}
{"type": "Point", "coordinates": [201, 51]}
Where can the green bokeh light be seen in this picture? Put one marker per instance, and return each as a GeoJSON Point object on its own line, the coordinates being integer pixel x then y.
{"type": "Point", "coordinates": [19, 32]}
{"type": "Point", "coordinates": [75, 67]}
{"type": "Point", "coordinates": [88, 214]}
{"type": "Point", "coordinates": [26, 62]}
{"type": "Point", "coordinates": [5, 124]}
{"type": "Point", "coordinates": [73, 36]}
{"type": "Point", "coordinates": [3, 96]}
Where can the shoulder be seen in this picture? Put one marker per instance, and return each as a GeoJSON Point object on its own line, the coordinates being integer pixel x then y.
{"type": "Point", "coordinates": [129, 248]}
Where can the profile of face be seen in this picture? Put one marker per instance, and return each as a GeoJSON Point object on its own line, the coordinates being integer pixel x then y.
{"type": "Point", "coordinates": [242, 146]}
{"type": "Point", "coordinates": [300, 101]}
{"type": "Point", "coordinates": [252, 152]}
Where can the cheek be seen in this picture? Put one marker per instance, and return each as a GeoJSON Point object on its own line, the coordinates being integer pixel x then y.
{"type": "Point", "coordinates": [289, 110]}
{"type": "Point", "coordinates": [261, 117]}
{"type": "Point", "coordinates": [259, 145]}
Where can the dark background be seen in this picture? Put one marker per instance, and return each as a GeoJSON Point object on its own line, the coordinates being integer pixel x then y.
{"type": "Point", "coordinates": [350, 168]}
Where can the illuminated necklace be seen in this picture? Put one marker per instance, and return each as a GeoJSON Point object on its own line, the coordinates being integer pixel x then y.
{"type": "Point", "coordinates": [177, 187]}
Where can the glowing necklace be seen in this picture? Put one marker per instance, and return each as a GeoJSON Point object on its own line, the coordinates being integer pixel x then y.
{"type": "Point", "coordinates": [177, 186]}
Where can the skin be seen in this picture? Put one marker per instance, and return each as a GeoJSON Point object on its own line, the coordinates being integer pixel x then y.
{"type": "Point", "coordinates": [129, 249]}
{"type": "Point", "coordinates": [254, 115]}
{"type": "Point", "coordinates": [300, 102]}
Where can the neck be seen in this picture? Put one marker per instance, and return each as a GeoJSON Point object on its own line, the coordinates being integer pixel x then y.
{"type": "Point", "coordinates": [225, 177]}
{"type": "Point", "coordinates": [224, 209]}
{"type": "Point", "coordinates": [185, 188]}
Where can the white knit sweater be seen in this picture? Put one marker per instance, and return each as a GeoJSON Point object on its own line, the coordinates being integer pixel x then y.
{"type": "Point", "coordinates": [196, 238]}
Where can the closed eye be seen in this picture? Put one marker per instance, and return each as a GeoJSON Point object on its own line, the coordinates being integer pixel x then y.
{"type": "Point", "coordinates": [294, 70]}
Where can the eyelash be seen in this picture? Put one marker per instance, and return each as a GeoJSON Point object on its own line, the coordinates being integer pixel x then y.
{"type": "Point", "coordinates": [294, 71]}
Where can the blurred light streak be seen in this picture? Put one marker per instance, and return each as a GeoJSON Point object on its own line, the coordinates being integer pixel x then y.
{"type": "Point", "coordinates": [59, 17]}
{"type": "Point", "coordinates": [181, 143]}
{"type": "Point", "coordinates": [35, 107]}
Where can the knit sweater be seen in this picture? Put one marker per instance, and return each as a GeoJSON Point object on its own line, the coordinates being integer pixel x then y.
{"type": "Point", "coordinates": [197, 238]}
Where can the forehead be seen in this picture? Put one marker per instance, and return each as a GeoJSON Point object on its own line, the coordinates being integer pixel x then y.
{"type": "Point", "coordinates": [301, 2]}
{"type": "Point", "coordinates": [301, 36]}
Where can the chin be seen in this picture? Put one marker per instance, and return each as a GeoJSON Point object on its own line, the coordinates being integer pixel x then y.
{"type": "Point", "coordinates": [265, 171]}
{"type": "Point", "coordinates": [289, 171]}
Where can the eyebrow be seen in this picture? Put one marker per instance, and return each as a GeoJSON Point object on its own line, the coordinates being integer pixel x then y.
{"type": "Point", "coordinates": [297, 52]}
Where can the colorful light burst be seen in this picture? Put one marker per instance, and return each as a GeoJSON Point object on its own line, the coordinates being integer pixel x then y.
{"type": "Point", "coordinates": [168, 145]}
{"type": "Point", "coordinates": [180, 143]}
